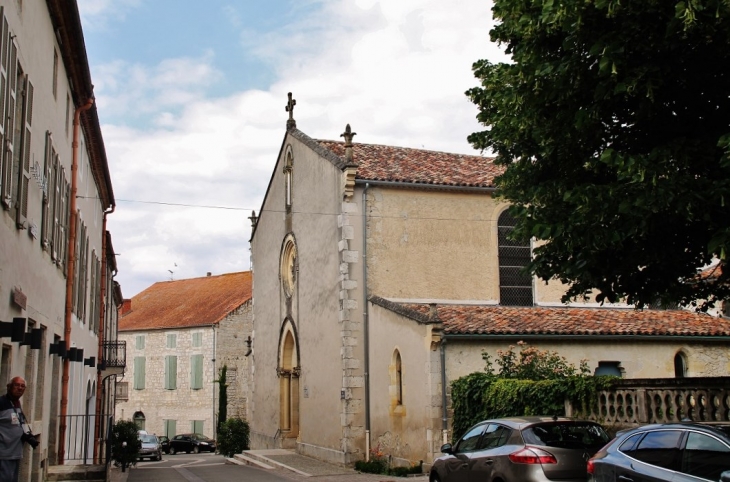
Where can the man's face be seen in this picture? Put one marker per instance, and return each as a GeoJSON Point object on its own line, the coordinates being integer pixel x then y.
{"type": "Point", "coordinates": [16, 388]}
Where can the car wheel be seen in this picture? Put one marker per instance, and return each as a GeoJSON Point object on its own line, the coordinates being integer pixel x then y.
{"type": "Point", "coordinates": [434, 477]}
{"type": "Point", "coordinates": [173, 451]}
{"type": "Point", "coordinates": [159, 457]}
{"type": "Point", "coordinates": [196, 449]}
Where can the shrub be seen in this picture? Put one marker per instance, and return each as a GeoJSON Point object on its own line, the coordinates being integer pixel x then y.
{"type": "Point", "coordinates": [125, 431]}
{"type": "Point", "coordinates": [378, 464]}
{"type": "Point", "coordinates": [233, 437]}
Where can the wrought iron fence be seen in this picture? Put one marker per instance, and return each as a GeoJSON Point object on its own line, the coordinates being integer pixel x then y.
{"type": "Point", "coordinates": [80, 439]}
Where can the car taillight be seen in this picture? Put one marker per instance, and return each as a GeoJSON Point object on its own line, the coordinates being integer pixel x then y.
{"type": "Point", "coordinates": [532, 455]}
{"type": "Point", "coordinates": [590, 466]}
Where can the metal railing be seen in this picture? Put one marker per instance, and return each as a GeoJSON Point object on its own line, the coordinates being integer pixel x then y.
{"type": "Point", "coordinates": [80, 439]}
{"type": "Point", "coordinates": [115, 354]}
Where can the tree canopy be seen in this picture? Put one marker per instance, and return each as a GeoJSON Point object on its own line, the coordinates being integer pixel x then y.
{"type": "Point", "coordinates": [613, 122]}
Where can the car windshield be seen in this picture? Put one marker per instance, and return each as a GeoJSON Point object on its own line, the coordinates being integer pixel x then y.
{"type": "Point", "coordinates": [148, 439]}
{"type": "Point", "coordinates": [569, 435]}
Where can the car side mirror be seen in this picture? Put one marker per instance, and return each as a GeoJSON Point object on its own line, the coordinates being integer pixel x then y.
{"type": "Point", "coordinates": [725, 476]}
{"type": "Point", "coordinates": [448, 449]}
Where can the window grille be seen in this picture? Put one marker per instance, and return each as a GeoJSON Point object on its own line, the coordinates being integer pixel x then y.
{"type": "Point", "coordinates": [515, 285]}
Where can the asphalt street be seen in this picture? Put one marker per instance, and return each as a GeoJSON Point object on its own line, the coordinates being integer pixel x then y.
{"type": "Point", "coordinates": [199, 468]}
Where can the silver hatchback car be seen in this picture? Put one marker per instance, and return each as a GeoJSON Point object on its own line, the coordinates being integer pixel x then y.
{"type": "Point", "coordinates": [524, 449]}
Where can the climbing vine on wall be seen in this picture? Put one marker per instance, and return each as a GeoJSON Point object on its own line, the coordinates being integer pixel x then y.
{"type": "Point", "coordinates": [528, 382]}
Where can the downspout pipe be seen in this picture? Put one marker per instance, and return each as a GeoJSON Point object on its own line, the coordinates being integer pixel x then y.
{"type": "Point", "coordinates": [70, 274]}
{"type": "Point", "coordinates": [366, 327]}
{"type": "Point", "coordinates": [444, 411]}
{"type": "Point", "coordinates": [101, 334]}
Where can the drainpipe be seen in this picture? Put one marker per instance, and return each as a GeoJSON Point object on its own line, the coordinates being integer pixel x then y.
{"type": "Point", "coordinates": [215, 387]}
{"type": "Point", "coordinates": [70, 268]}
{"type": "Point", "coordinates": [444, 412]}
{"type": "Point", "coordinates": [101, 334]}
{"type": "Point", "coordinates": [366, 328]}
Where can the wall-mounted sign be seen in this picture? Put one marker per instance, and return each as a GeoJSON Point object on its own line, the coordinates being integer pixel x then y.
{"type": "Point", "coordinates": [19, 298]}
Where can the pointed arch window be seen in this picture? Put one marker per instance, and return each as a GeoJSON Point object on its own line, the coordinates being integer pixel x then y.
{"type": "Point", "coordinates": [680, 365]}
{"type": "Point", "coordinates": [515, 286]}
{"type": "Point", "coordinates": [398, 378]}
{"type": "Point", "coordinates": [288, 178]}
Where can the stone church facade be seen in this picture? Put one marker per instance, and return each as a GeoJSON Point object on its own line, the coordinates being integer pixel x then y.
{"type": "Point", "coordinates": [382, 273]}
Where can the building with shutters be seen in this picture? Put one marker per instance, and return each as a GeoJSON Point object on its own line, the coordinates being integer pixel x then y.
{"type": "Point", "coordinates": [382, 274]}
{"type": "Point", "coordinates": [57, 265]}
{"type": "Point", "coordinates": [179, 334]}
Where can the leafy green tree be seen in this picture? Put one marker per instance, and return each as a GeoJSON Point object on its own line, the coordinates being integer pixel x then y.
{"type": "Point", "coordinates": [613, 122]}
{"type": "Point", "coordinates": [233, 437]}
{"type": "Point", "coordinates": [125, 443]}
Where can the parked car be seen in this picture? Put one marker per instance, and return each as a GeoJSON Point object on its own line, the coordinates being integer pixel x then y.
{"type": "Point", "coordinates": [150, 447]}
{"type": "Point", "coordinates": [191, 442]}
{"type": "Point", "coordinates": [521, 449]}
{"type": "Point", "coordinates": [678, 452]}
{"type": "Point", "coordinates": [164, 444]}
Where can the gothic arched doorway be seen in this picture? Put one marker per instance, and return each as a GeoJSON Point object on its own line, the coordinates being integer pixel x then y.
{"type": "Point", "coordinates": [288, 372]}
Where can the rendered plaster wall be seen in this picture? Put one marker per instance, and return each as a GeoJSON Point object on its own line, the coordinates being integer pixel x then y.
{"type": "Point", "coordinates": [637, 359]}
{"type": "Point", "coordinates": [24, 264]}
{"type": "Point", "coordinates": [408, 432]}
{"type": "Point", "coordinates": [231, 350]}
{"type": "Point", "coordinates": [155, 401]}
{"type": "Point", "coordinates": [327, 424]}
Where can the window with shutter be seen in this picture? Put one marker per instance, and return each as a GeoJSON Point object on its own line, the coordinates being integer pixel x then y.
{"type": "Point", "coordinates": [170, 428]}
{"type": "Point", "coordinates": [196, 372]}
{"type": "Point", "coordinates": [25, 108]}
{"type": "Point", "coordinates": [196, 426]}
{"type": "Point", "coordinates": [171, 341]}
{"type": "Point", "coordinates": [140, 342]}
{"type": "Point", "coordinates": [171, 372]}
{"type": "Point", "coordinates": [9, 79]}
{"type": "Point", "coordinates": [65, 221]}
{"type": "Point", "coordinates": [139, 372]}
{"type": "Point", "coordinates": [48, 190]}
{"type": "Point", "coordinates": [197, 339]}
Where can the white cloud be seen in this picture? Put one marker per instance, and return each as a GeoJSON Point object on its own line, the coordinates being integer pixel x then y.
{"type": "Point", "coordinates": [396, 71]}
{"type": "Point", "coordinates": [98, 13]}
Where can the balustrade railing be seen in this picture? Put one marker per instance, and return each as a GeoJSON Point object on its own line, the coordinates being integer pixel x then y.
{"type": "Point", "coordinates": [641, 401]}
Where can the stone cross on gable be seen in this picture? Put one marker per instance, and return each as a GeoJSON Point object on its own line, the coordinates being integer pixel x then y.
{"type": "Point", "coordinates": [291, 123]}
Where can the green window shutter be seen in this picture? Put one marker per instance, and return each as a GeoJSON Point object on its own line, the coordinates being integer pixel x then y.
{"type": "Point", "coordinates": [140, 342]}
{"type": "Point", "coordinates": [196, 372]}
{"type": "Point", "coordinates": [171, 341]}
{"type": "Point", "coordinates": [196, 426]}
{"type": "Point", "coordinates": [197, 339]}
{"type": "Point", "coordinates": [170, 428]}
{"type": "Point", "coordinates": [171, 372]}
{"type": "Point", "coordinates": [139, 372]}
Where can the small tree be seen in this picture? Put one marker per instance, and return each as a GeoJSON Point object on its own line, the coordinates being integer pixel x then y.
{"type": "Point", "coordinates": [222, 397]}
{"type": "Point", "coordinates": [125, 443]}
{"type": "Point", "coordinates": [233, 437]}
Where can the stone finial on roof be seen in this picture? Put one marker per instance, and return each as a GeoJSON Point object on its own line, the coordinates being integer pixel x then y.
{"type": "Point", "coordinates": [290, 123]}
{"type": "Point", "coordinates": [253, 219]}
{"type": "Point", "coordinates": [348, 135]}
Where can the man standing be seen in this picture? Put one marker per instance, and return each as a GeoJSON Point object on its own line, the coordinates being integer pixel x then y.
{"type": "Point", "coordinates": [12, 423]}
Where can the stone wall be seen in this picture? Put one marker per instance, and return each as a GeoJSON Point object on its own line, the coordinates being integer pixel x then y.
{"type": "Point", "coordinates": [232, 335]}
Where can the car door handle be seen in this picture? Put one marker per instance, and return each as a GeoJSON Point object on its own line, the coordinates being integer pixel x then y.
{"type": "Point", "coordinates": [489, 461]}
{"type": "Point", "coordinates": [624, 478]}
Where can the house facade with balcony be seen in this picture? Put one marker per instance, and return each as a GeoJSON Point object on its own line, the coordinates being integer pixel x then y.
{"type": "Point", "coordinates": [57, 267]}
{"type": "Point", "coordinates": [179, 334]}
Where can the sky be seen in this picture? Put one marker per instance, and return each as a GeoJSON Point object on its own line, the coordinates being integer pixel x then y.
{"type": "Point", "coordinates": [191, 96]}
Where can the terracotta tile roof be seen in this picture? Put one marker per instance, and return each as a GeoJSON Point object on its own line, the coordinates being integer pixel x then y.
{"type": "Point", "coordinates": [502, 320]}
{"type": "Point", "coordinates": [187, 303]}
{"type": "Point", "coordinates": [714, 272]}
{"type": "Point", "coordinates": [388, 163]}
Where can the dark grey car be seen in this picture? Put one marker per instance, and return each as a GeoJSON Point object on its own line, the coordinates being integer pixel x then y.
{"type": "Point", "coordinates": [680, 452]}
{"type": "Point", "coordinates": [524, 449]}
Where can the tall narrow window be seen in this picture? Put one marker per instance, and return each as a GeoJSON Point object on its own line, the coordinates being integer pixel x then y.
{"type": "Point", "coordinates": [288, 178]}
{"type": "Point", "coordinates": [398, 379]}
{"type": "Point", "coordinates": [197, 339]}
{"type": "Point", "coordinates": [8, 98]}
{"type": "Point", "coordinates": [680, 365]}
{"type": "Point", "coordinates": [139, 420]}
{"type": "Point", "coordinates": [197, 426]}
{"type": "Point", "coordinates": [171, 340]}
{"type": "Point", "coordinates": [196, 372]}
{"type": "Point", "coordinates": [171, 372]}
{"type": "Point", "coordinates": [139, 342]}
{"type": "Point", "coordinates": [24, 120]}
{"type": "Point", "coordinates": [139, 372]}
{"type": "Point", "coordinates": [515, 286]}
{"type": "Point", "coordinates": [170, 428]}
{"type": "Point", "coordinates": [55, 73]}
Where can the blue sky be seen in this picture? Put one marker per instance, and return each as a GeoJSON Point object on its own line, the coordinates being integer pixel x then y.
{"type": "Point", "coordinates": [191, 97]}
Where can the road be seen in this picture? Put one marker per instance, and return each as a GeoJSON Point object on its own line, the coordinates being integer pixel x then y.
{"type": "Point", "coordinates": [199, 468]}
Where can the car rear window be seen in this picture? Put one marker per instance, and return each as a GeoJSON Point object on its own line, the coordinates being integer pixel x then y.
{"type": "Point", "coordinates": [569, 435]}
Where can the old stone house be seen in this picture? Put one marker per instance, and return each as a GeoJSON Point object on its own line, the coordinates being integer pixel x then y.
{"type": "Point", "coordinates": [179, 335]}
{"type": "Point", "coordinates": [383, 272]}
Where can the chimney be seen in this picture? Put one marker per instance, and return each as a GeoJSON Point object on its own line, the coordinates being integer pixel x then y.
{"type": "Point", "coordinates": [433, 314]}
{"type": "Point", "coordinates": [208, 274]}
{"type": "Point", "coordinates": [126, 306]}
